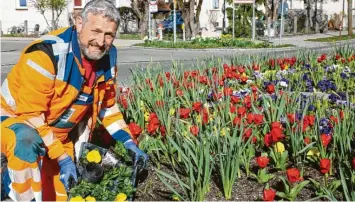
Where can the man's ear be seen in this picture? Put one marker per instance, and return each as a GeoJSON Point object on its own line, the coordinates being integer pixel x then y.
{"type": "Point", "coordinates": [79, 24]}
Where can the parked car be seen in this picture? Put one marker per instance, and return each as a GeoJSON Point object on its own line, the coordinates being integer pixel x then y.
{"type": "Point", "coordinates": [168, 23]}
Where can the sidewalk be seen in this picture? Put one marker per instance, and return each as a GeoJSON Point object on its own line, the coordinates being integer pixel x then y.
{"type": "Point", "coordinates": [299, 41]}
{"type": "Point", "coordinates": [116, 42]}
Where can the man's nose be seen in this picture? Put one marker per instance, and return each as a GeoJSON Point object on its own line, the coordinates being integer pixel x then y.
{"type": "Point", "coordinates": [101, 40]}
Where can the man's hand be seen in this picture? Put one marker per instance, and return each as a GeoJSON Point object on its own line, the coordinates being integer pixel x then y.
{"type": "Point", "coordinates": [67, 171]}
{"type": "Point", "coordinates": [138, 154]}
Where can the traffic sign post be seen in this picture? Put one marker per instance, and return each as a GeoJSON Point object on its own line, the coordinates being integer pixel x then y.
{"type": "Point", "coordinates": [153, 8]}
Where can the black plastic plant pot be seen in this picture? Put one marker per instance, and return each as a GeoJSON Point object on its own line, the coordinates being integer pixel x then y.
{"type": "Point", "coordinates": [93, 172]}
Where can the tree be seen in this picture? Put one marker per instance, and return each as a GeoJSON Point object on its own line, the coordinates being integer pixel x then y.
{"type": "Point", "coordinates": [190, 15]}
{"type": "Point", "coordinates": [56, 8]}
{"type": "Point", "coordinates": [141, 9]}
{"type": "Point", "coordinates": [127, 15]}
{"type": "Point", "coordinates": [350, 17]}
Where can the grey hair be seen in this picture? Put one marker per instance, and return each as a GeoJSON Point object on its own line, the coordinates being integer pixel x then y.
{"type": "Point", "coordinates": [103, 7]}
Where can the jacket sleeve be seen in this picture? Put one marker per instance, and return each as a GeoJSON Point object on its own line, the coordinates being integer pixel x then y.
{"type": "Point", "coordinates": [110, 115]}
{"type": "Point", "coordinates": [36, 75]}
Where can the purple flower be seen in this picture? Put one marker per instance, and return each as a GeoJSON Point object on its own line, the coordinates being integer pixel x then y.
{"type": "Point", "coordinates": [344, 76]}
{"type": "Point", "coordinates": [311, 108]}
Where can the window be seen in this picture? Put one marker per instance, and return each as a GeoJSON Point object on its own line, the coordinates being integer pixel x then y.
{"type": "Point", "coordinates": [215, 4]}
{"type": "Point", "coordinates": [21, 4]}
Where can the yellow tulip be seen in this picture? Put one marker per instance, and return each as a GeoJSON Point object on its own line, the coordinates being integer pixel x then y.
{"type": "Point", "coordinates": [313, 152]}
{"type": "Point", "coordinates": [121, 197]}
{"type": "Point", "coordinates": [141, 105]}
{"type": "Point", "coordinates": [146, 116]}
{"type": "Point", "coordinates": [280, 147]}
{"type": "Point", "coordinates": [198, 119]}
{"type": "Point", "coordinates": [94, 156]}
{"type": "Point", "coordinates": [77, 198]}
{"type": "Point", "coordinates": [224, 131]}
{"type": "Point", "coordinates": [90, 198]}
{"type": "Point", "coordinates": [171, 111]}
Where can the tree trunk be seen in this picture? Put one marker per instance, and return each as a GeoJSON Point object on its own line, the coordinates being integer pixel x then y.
{"type": "Point", "coordinates": [350, 18]}
{"type": "Point", "coordinates": [142, 16]}
{"type": "Point", "coordinates": [316, 16]}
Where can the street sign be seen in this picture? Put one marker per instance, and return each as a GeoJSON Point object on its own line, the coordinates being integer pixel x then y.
{"type": "Point", "coordinates": [243, 1]}
{"type": "Point", "coordinates": [153, 6]}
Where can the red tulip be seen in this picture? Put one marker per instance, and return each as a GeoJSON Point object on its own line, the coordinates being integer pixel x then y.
{"type": "Point", "coordinates": [341, 114]}
{"type": "Point", "coordinates": [268, 140]}
{"type": "Point", "coordinates": [324, 165]}
{"type": "Point", "coordinates": [262, 161]}
{"type": "Point", "coordinates": [235, 99]}
{"type": "Point", "coordinates": [204, 116]}
{"type": "Point", "coordinates": [162, 130]}
{"type": "Point", "coordinates": [197, 106]}
{"type": "Point", "coordinates": [135, 129]}
{"type": "Point", "coordinates": [194, 130]}
{"type": "Point", "coordinates": [179, 92]}
{"type": "Point", "coordinates": [123, 101]}
{"type": "Point", "coordinates": [307, 140]}
{"type": "Point", "coordinates": [325, 139]}
{"type": "Point", "coordinates": [247, 133]}
{"type": "Point", "coordinates": [334, 119]}
{"type": "Point", "coordinates": [310, 119]}
{"type": "Point", "coordinates": [203, 79]}
{"type": "Point", "coordinates": [258, 119]}
{"type": "Point", "coordinates": [242, 111]}
{"type": "Point", "coordinates": [276, 134]}
{"type": "Point", "coordinates": [232, 108]}
{"type": "Point", "coordinates": [237, 121]}
{"type": "Point", "coordinates": [184, 113]}
{"type": "Point", "coordinates": [276, 125]}
{"type": "Point", "coordinates": [152, 116]}
{"type": "Point", "coordinates": [269, 195]}
{"type": "Point", "coordinates": [250, 118]}
{"type": "Point", "coordinates": [152, 127]}
{"type": "Point", "coordinates": [167, 76]}
{"type": "Point", "coordinates": [291, 118]}
{"type": "Point", "coordinates": [160, 103]}
{"type": "Point", "coordinates": [270, 88]}
{"type": "Point", "coordinates": [293, 175]}
{"type": "Point", "coordinates": [227, 91]}
{"type": "Point", "coordinates": [244, 79]}
{"type": "Point", "coordinates": [354, 163]}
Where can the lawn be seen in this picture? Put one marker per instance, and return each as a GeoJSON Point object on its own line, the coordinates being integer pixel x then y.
{"type": "Point", "coordinates": [332, 38]}
{"type": "Point", "coordinates": [209, 43]}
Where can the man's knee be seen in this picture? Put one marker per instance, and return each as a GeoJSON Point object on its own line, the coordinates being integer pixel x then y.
{"type": "Point", "coordinates": [28, 142]}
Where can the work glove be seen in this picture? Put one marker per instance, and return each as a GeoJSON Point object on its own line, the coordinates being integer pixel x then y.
{"type": "Point", "coordinates": [139, 155]}
{"type": "Point", "coordinates": [67, 172]}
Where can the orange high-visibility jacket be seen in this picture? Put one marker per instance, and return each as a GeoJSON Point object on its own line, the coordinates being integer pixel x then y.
{"type": "Point", "coordinates": [43, 86]}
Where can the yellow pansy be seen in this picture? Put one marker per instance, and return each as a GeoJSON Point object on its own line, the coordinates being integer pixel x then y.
{"type": "Point", "coordinates": [280, 147]}
{"type": "Point", "coordinates": [175, 198]}
{"type": "Point", "coordinates": [121, 197]}
{"type": "Point", "coordinates": [171, 111]}
{"type": "Point", "coordinates": [90, 198]}
{"type": "Point", "coordinates": [313, 152]}
{"type": "Point", "coordinates": [94, 156]}
{"type": "Point", "coordinates": [77, 198]}
{"type": "Point", "coordinates": [146, 116]}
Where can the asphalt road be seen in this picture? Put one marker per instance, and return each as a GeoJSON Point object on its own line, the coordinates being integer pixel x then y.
{"type": "Point", "coordinates": [131, 58]}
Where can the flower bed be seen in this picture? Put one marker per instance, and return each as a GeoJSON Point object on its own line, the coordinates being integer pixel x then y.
{"type": "Point", "coordinates": [247, 129]}
{"type": "Point", "coordinates": [105, 175]}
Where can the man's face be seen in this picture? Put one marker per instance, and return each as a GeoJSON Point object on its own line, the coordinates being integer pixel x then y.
{"type": "Point", "coordinates": [96, 35]}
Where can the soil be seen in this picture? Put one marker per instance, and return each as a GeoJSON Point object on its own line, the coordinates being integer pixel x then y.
{"type": "Point", "coordinates": [245, 189]}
